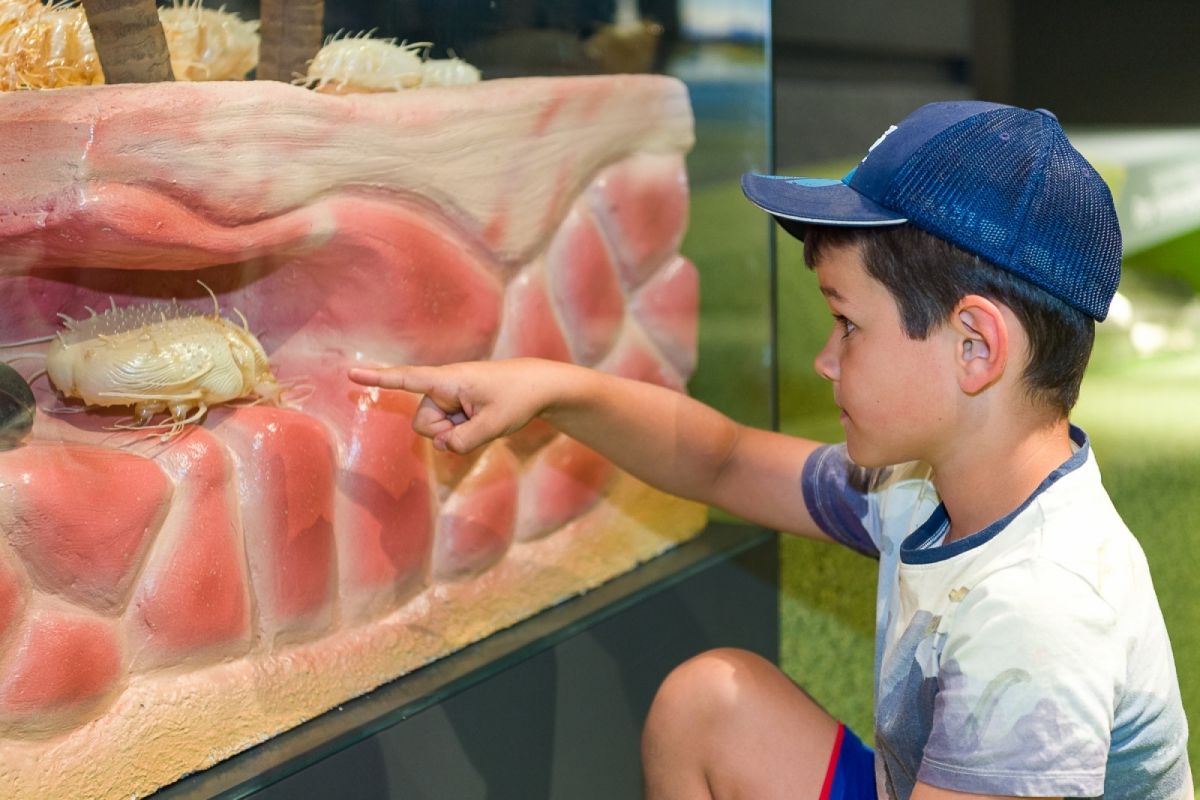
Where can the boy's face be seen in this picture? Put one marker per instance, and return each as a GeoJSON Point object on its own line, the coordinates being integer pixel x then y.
{"type": "Point", "coordinates": [896, 394]}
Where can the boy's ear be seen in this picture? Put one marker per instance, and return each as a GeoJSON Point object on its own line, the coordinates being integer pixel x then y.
{"type": "Point", "coordinates": [981, 342]}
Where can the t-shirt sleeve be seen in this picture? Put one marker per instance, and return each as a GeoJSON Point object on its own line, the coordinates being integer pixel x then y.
{"type": "Point", "coordinates": [837, 495]}
{"type": "Point", "coordinates": [1027, 685]}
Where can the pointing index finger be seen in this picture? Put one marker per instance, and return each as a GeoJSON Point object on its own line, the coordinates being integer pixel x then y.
{"type": "Point", "coordinates": [413, 379]}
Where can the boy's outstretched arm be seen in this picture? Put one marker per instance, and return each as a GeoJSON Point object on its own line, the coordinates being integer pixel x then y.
{"type": "Point", "coordinates": [662, 437]}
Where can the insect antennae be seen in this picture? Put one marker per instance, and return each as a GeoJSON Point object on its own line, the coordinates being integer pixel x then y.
{"type": "Point", "coordinates": [213, 295]}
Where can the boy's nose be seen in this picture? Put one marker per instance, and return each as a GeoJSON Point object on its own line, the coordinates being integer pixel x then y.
{"type": "Point", "coordinates": [826, 363]}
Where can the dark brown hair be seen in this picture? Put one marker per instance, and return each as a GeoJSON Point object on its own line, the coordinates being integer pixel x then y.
{"type": "Point", "coordinates": [928, 276]}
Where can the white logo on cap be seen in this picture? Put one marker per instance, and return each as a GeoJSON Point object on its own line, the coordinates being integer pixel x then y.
{"type": "Point", "coordinates": [878, 141]}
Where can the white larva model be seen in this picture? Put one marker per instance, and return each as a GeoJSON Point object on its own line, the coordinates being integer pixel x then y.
{"type": "Point", "coordinates": [208, 44]}
{"type": "Point", "coordinates": [448, 72]}
{"type": "Point", "coordinates": [160, 357]}
{"type": "Point", "coordinates": [49, 45]}
{"type": "Point", "coordinates": [359, 63]}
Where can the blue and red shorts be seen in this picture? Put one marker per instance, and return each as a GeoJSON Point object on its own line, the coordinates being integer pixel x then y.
{"type": "Point", "coordinates": [851, 771]}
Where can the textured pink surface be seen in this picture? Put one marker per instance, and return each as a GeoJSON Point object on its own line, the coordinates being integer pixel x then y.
{"type": "Point", "coordinates": [583, 283]}
{"type": "Point", "coordinates": [60, 661]}
{"type": "Point", "coordinates": [401, 277]}
{"type": "Point", "coordinates": [530, 327]}
{"type": "Point", "coordinates": [398, 276]}
{"type": "Point", "coordinates": [11, 598]}
{"type": "Point", "coordinates": [81, 517]}
{"type": "Point", "coordinates": [450, 468]}
{"type": "Point", "coordinates": [385, 519]}
{"type": "Point", "coordinates": [562, 481]}
{"type": "Point", "coordinates": [520, 218]}
{"type": "Point", "coordinates": [666, 308]}
{"type": "Point", "coordinates": [194, 596]}
{"type": "Point", "coordinates": [634, 357]}
{"type": "Point", "coordinates": [479, 149]}
{"type": "Point", "coordinates": [642, 204]}
{"type": "Point", "coordinates": [476, 522]}
{"type": "Point", "coordinates": [531, 438]}
{"type": "Point", "coordinates": [285, 468]}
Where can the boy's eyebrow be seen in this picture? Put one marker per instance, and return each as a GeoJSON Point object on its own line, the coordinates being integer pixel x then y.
{"type": "Point", "coordinates": [831, 293]}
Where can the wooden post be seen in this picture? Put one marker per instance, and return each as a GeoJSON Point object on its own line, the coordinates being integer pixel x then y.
{"type": "Point", "coordinates": [129, 40]}
{"type": "Point", "coordinates": [292, 31]}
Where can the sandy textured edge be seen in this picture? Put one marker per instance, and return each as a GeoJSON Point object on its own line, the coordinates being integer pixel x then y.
{"type": "Point", "coordinates": [167, 725]}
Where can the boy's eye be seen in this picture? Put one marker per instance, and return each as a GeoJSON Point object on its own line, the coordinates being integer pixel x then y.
{"type": "Point", "coordinates": [846, 325]}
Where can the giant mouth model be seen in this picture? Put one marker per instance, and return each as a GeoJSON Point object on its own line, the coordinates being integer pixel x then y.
{"type": "Point", "coordinates": [164, 604]}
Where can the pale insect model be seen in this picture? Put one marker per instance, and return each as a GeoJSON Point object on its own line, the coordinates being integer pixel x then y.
{"type": "Point", "coordinates": [349, 64]}
{"type": "Point", "coordinates": [159, 357]}
{"type": "Point", "coordinates": [49, 45]}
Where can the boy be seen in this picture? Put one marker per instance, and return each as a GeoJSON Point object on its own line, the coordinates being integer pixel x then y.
{"type": "Point", "coordinates": [1020, 650]}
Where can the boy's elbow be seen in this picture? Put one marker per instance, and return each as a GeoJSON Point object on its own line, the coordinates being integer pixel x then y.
{"type": "Point", "coordinates": [723, 457]}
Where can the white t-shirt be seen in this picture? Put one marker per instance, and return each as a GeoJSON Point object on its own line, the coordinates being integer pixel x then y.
{"type": "Point", "coordinates": [1027, 659]}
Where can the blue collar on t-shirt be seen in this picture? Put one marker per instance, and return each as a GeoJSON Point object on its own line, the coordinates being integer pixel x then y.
{"type": "Point", "coordinates": [915, 548]}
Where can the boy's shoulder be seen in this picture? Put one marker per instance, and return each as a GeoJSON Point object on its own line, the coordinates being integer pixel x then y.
{"type": "Point", "coordinates": [1071, 531]}
{"type": "Point", "coordinates": [1080, 529]}
{"type": "Point", "coordinates": [1065, 559]}
{"type": "Point", "coordinates": [1069, 525]}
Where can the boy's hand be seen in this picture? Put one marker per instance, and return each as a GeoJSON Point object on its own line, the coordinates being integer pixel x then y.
{"type": "Point", "coordinates": [465, 405]}
{"type": "Point", "coordinates": [660, 436]}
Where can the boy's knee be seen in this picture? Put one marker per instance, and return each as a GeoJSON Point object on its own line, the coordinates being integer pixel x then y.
{"type": "Point", "coordinates": [708, 688]}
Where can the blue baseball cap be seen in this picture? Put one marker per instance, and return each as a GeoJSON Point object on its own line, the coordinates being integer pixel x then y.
{"type": "Point", "coordinates": [1000, 182]}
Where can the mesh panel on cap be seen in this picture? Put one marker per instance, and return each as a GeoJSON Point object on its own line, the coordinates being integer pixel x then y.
{"type": "Point", "coordinates": [1078, 262]}
{"type": "Point", "coordinates": [1006, 185]}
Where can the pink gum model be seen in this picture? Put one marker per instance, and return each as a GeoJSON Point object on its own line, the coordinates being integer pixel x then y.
{"type": "Point", "coordinates": [163, 606]}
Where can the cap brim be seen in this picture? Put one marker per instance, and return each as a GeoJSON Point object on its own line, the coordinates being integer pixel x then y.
{"type": "Point", "coordinates": [799, 202]}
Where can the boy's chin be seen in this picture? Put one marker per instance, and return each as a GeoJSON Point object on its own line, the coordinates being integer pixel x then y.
{"type": "Point", "coordinates": [869, 457]}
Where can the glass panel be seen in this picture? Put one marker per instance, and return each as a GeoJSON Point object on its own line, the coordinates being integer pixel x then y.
{"type": "Point", "coordinates": [718, 48]}
{"type": "Point", "coordinates": [324, 736]}
{"type": "Point", "coordinates": [724, 60]}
